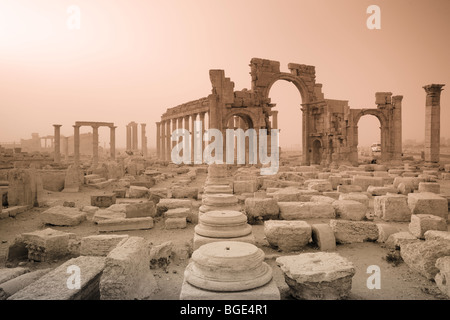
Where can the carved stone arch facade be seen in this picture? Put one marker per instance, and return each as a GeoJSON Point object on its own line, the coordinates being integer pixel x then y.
{"type": "Point", "coordinates": [330, 122]}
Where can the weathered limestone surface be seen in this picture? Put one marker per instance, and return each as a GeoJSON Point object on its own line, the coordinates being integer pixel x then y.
{"type": "Point", "coordinates": [47, 244]}
{"type": "Point", "coordinates": [442, 278]}
{"type": "Point", "coordinates": [421, 256]}
{"type": "Point", "coordinates": [175, 223]}
{"type": "Point", "coordinates": [362, 198]}
{"type": "Point", "coordinates": [305, 210]}
{"type": "Point", "coordinates": [354, 231]}
{"type": "Point", "coordinates": [54, 284]}
{"type": "Point", "coordinates": [7, 274]}
{"type": "Point", "coordinates": [317, 276]}
{"type": "Point", "coordinates": [421, 223]}
{"type": "Point", "coordinates": [63, 216]}
{"type": "Point", "coordinates": [323, 236]}
{"type": "Point", "coordinates": [73, 180]}
{"type": "Point", "coordinates": [349, 188]}
{"type": "Point", "coordinates": [12, 286]}
{"type": "Point", "coordinates": [287, 235]}
{"type": "Point", "coordinates": [127, 274]}
{"type": "Point", "coordinates": [125, 224]}
{"type": "Point", "coordinates": [429, 187]}
{"type": "Point", "coordinates": [428, 203]}
{"type": "Point", "coordinates": [392, 208]}
{"type": "Point", "coordinates": [25, 187]}
{"type": "Point", "coordinates": [385, 230]}
{"type": "Point", "coordinates": [437, 235]}
{"type": "Point", "coordinates": [100, 245]}
{"type": "Point", "coordinates": [261, 209]}
{"type": "Point", "coordinates": [350, 210]}
{"type": "Point", "coordinates": [140, 210]}
{"type": "Point", "coordinates": [398, 239]}
{"type": "Point", "coordinates": [103, 200]}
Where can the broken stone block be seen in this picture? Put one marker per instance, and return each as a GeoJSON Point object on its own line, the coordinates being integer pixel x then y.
{"type": "Point", "coordinates": [184, 192]}
{"type": "Point", "coordinates": [57, 285]}
{"type": "Point", "coordinates": [244, 186]}
{"type": "Point", "coordinates": [16, 284]}
{"type": "Point", "coordinates": [127, 275]}
{"type": "Point", "coordinates": [381, 191]}
{"type": "Point", "coordinates": [421, 223]}
{"type": "Point", "coordinates": [100, 245]}
{"type": "Point", "coordinates": [287, 235]}
{"type": "Point", "coordinates": [321, 186]}
{"type": "Point", "coordinates": [177, 213]}
{"type": "Point", "coordinates": [156, 194]}
{"type": "Point", "coordinates": [175, 223]}
{"type": "Point", "coordinates": [437, 235]}
{"type": "Point", "coordinates": [385, 230]}
{"type": "Point", "coordinates": [137, 192]}
{"type": "Point", "coordinates": [429, 187]}
{"type": "Point", "coordinates": [335, 195]}
{"type": "Point", "coordinates": [120, 193]}
{"type": "Point", "coordinates": [53, 180]}
{"type": "Point", "coordinates": [125, 224]}
{"type": "Point", "coordinates": [261, 209]}
{"type": "Point", "coordinates": [428, 203]}
{"type": "Point", "coordinates": [166, 204]}
{"type": "Point", "coordinates": [103, 200]}
{"type": "Point", "coordinates": [322, 199]}
{"type": "Point", "coordinates": [160, 255]}
{"type": "Point", "coordinates": [442, 278]}
{"type": "Point", "coordinates": [405, 188]}
{"type": "Point", "coordinates": [63, 216]}
{"type": "Point", "coordinates": [365, 182]}
{"type": "Point", "coordinates": [7, 274]}
{"type": "Point", "coordinates": [317, 276]}
{"type": "Point", "coordinates": [323, 236]}
{"type": "Point", "coordinates": [397, 240]}
{"type": "Point", "coordinates": [360, 197]}
{"type": "Point", "coordinates": [335, 181]}
{"type": "Point", "coordinates": [349, 188]}
{"type": "Point", "coordinates": [305, 210]}
{"type": "Point", "coordinates": [349, 210]}
{"type": "Point", "coordinates": [47, 244]}
{"type": "Point", "coordinates": [392, 208]}
{"type": "Point", "coordinates": [24, 187]}
{"type": "Point", "coordinates": [421, 256]}
{"type": "Point", "coordinates": [90, 210]}
{"type": "Point", "coordinates": [354, 231]}
{"type": "Point", "coordinates": [447, 168]}
{"type": "Point", "coordinates": [140, 210]}
{"type": "Point", "coordinates": [73, 179]}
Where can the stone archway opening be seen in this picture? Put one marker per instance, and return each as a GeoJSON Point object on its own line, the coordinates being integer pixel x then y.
{"type": "Point", "coordinates": [317, 152]}
{"type": "Point", "coordinates": [370, 147]}
{"type": "Point", "coordinates": [287, 116]}
{"type": "Point", "coordinates": [240, 121]}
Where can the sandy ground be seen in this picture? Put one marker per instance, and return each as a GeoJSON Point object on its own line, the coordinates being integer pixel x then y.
{"type": "Point", "coordinates": [397, 282]}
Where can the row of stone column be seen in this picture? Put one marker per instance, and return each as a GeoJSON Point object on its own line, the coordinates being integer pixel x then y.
{"type": "Point", "coordinates": [132, 138]}
{"type": "Point", "coordinates": [164, 130]}
{"type": "Point", "coordinates": [76, 140]}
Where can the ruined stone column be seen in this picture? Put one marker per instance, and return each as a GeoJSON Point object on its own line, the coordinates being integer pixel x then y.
{"type": "Point", "coordinates": [397, 147]}
{"type": "Point", "coordinates": [274, 119]}
{"type": "Point", "coordinates": [134, 140]}
{"type": "Point", "coordinates": [174, 127]}
{"type": "Point", "coordinates": [128, 137]}
{"type": "Point", "coordinates": [163, 140]}
{"type": "Point", "coordinates": [57, 155]}
{"type": "Point", "coordinates": [76, 144]}
{"type": "Point", "coordinates": [168, 141]}
{"type": "Point", "coordinates": [158, 141]}
{"type": "Point", "coordinates": [143, 140]}
{"type": "Point", "coordinates": [94, 146]}
{"type": "Point", "coordinates": [112, 142]}
{"type": "Point", "coordinates": [186, 141]}
{"type": "Point", "coordinates": [193, 133]}
{"type": "Point", "coordinates": [432, 122]}
{"type": "Point", "coordinates": [305, 131]}
{"type": "Point", "coordinates": [202, 119]}
{"type": "Point", "coordinates": [66, 148]}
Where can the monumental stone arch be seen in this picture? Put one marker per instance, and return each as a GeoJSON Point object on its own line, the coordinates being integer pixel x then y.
{"type": "Point", "coordinates": [329, 127]}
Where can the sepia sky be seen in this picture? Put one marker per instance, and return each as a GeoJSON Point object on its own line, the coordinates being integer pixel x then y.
{"type": "Point", "coordinates": [133, 59]}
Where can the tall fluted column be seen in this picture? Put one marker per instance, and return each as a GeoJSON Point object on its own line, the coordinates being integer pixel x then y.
{"type": "Point", "coordinates": [134, 140]}
{"type": "Point", "coordinates": [57, 155]}
{"type": "Point", "coordinates": [163, 140]}
{"type": "Point", "coordinates": [202, 119]}
{"type": "Point", "coordinates": [128, 137]}
{"type": "Point", "coordinates": [158, 140]}
{"type": "Point", "coordinates": [112, 142]}
{"type": "Point", "coordinates": [193, 118]}
{"type": "Point", "coordinates": [174, 127]}
{"type": "Point", "coordinates": [94, 146]}
{"type": "Point", "coordinates": [143, 140]}
{"type": "Point", "coordinates": [433, 122]}
{"type": "Point", "coordinates": [76, 144]}
{"type": "Point", "coordinates": [168, 141]}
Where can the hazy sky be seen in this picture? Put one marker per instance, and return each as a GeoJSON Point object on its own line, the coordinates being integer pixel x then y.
{"type": "Point", "coordinates": [132, 59]}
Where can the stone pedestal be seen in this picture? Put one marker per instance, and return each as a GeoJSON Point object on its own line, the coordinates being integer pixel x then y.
{"type": "Point", "coordinates": [222, 225]}
{"type": "Point", "coordinates": [228, 269]}
{"type": "Point", "coordinates": [219, 201]}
